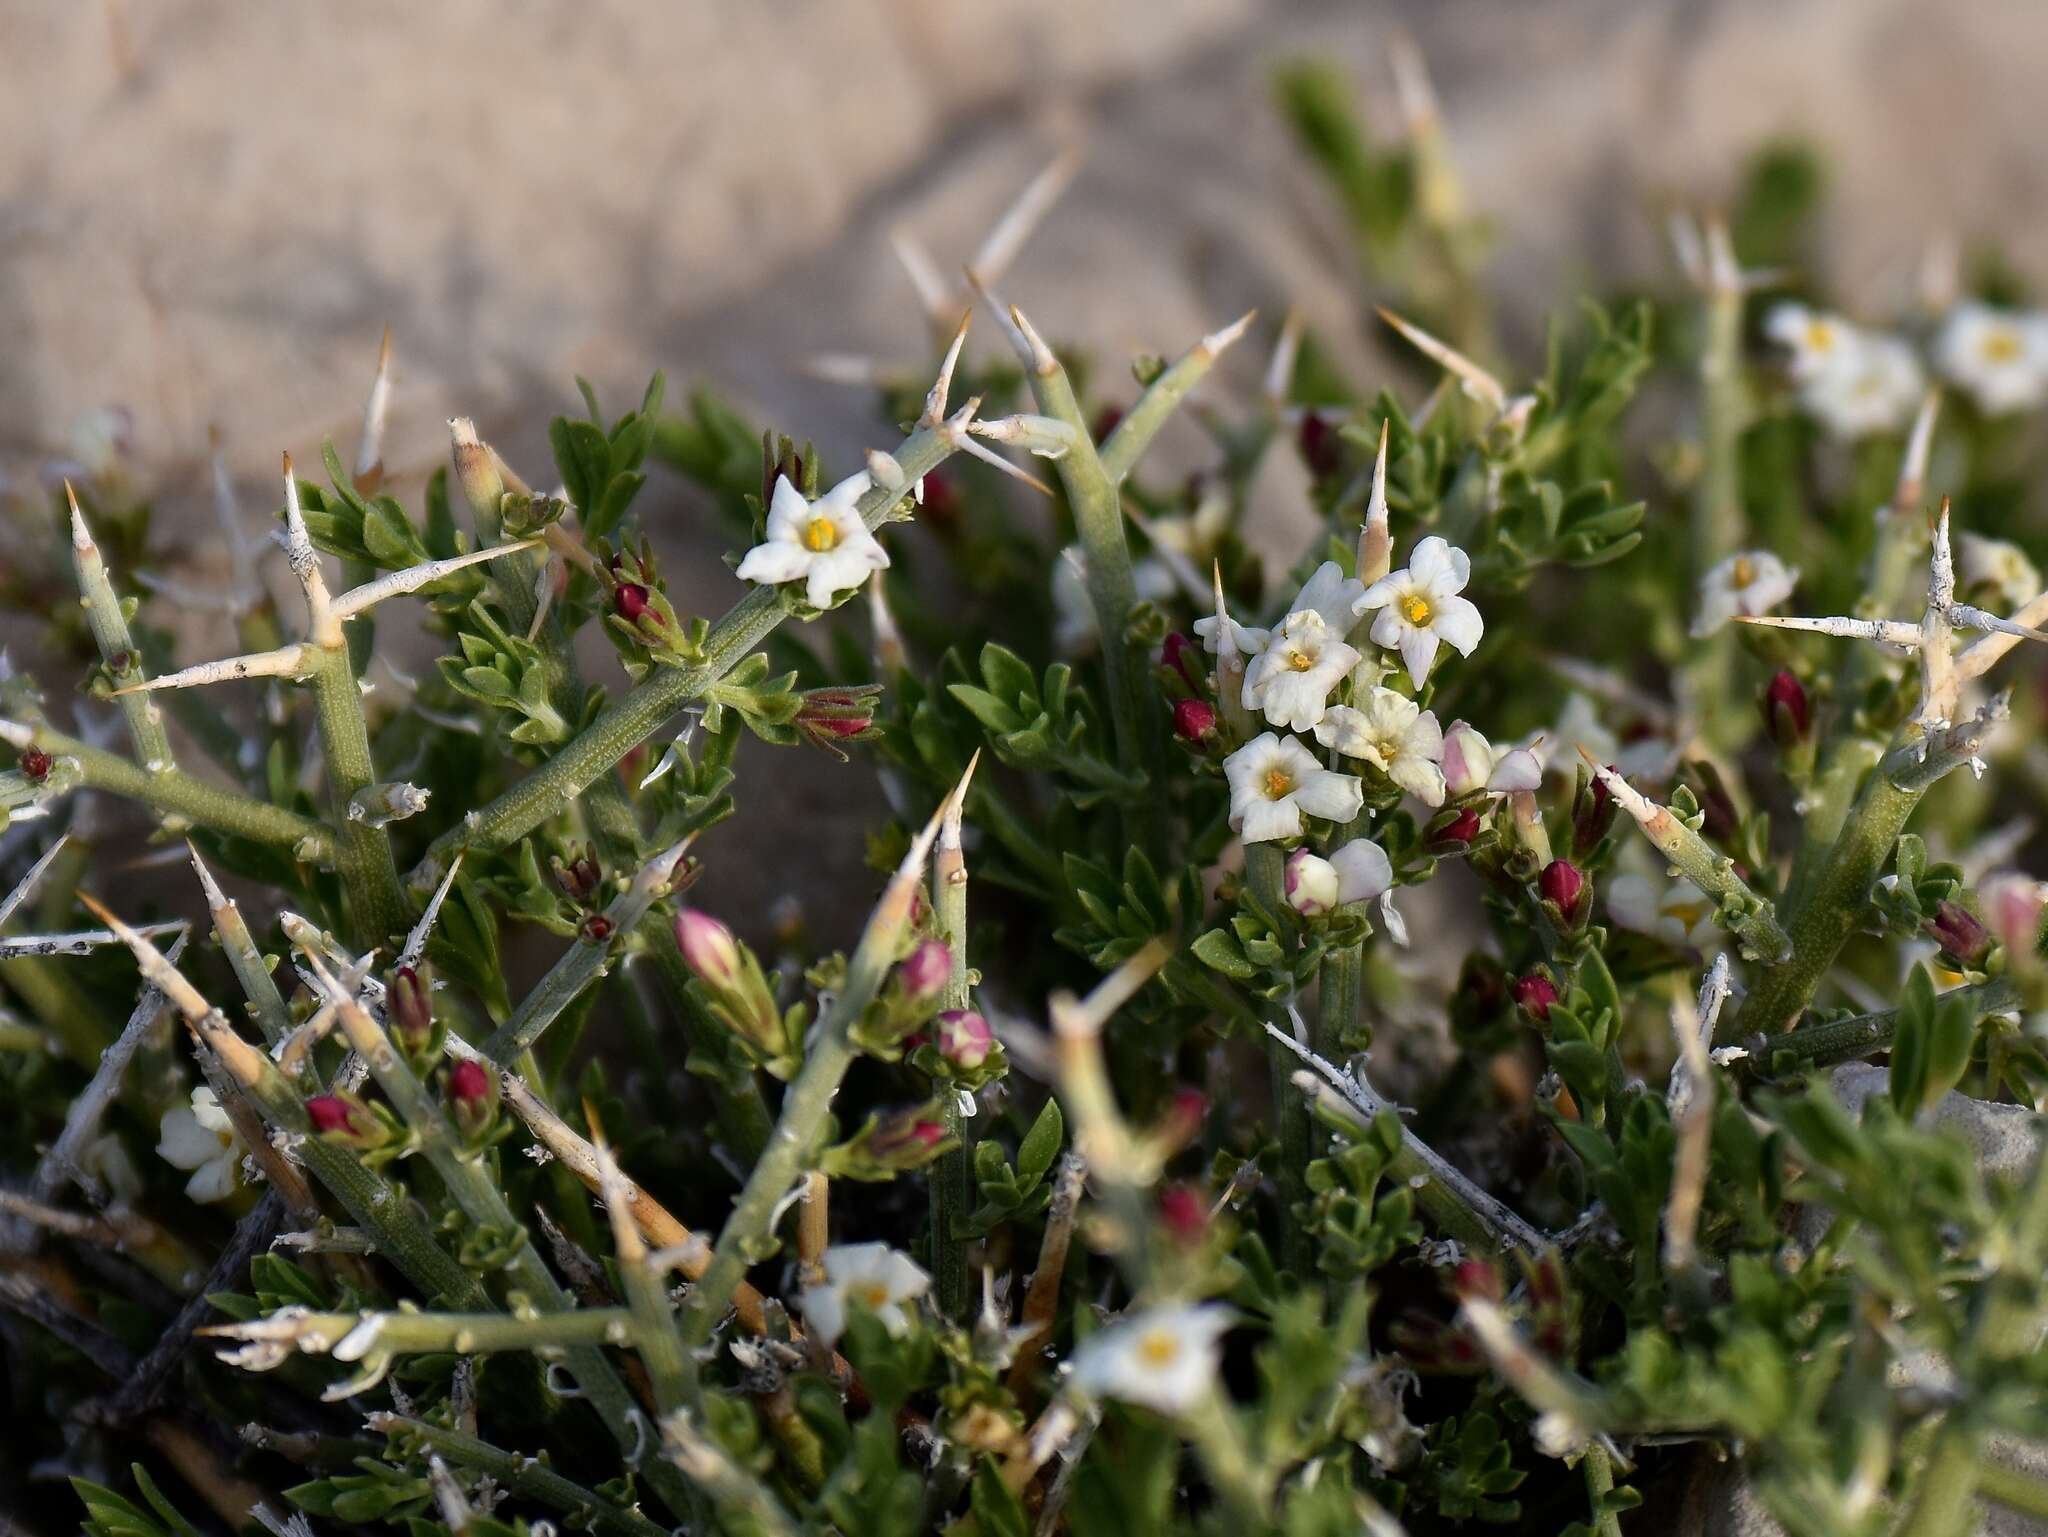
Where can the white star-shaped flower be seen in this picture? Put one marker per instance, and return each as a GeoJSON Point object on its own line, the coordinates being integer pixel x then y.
{"type": "Point", "coordinates": [864, 1275]}
{"type": "Point", "coordinates": [1875, 387]}
{"type": "Point", "coordinates": [824, 543]}
{"type": "Point", "coordinates": [1996, 566]}
{"type": "Point", "coordinates": [1419, 606]}
{"type": "Point", "coordinates": [1999, 356]}
{"type": "Point", "coordinates": [1749, 583]}
{"type": "Point", "coordinates": [1274, 779]}
{"type": "Point", "coordinates": [202, 1138]}
{"type": "Point", "coordinates": [1163, 1358]}
{"type": "Point", "coordinates": [1816, 341]}
{"type": "Point", "coordinates": [1292, 679]}
{"type": "Point", "coordinates": [1396, 736]}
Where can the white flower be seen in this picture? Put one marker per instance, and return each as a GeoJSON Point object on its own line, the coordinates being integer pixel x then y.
{"type": "Point", "coordinates": [1647, 756]}
{"type": "Point", "coordinates": [1472, 764]}
{"type": "Point", "coordinates": [1419, 606]}
{"type": "Point", "coordinates": [1748, 583]}
{"type": "Point", "coordinates": [1817, 341]}
{"type": "Point", "coordinates": [866, 1275]}
{"type": "Point", "coordinates": [1395, 735]}
{"type": "Point", "coordinates": [1328, 592]}
{"type": "Point", "coordinates": [1291, 680]}
{"type": "Point", "coordinates": [108, 1161]}
{"type": "Point", "coordinates": [1999, 356]}
{"type": "Point", "coordinates": [824, 542]}
{"type": "Point", "coordinates": [1312, 883]}
{"type": "Point", "coordinates": [1075, 631]}
{"type": "Point", "coordinates": [1875, 387]}
{"type": "Point", "coordinates": [1364, 872]}
{"type": "Point", "coordinates": [1274, 779]}
{"type": "Point", "coordinates": [2001, 567]}
{"type": "Point", "coordinates": [203, 1140]}
{"type": "Point", "coordinates": [1677, 912]}
{"type": "Point", "coordinates": [1163, 1358]}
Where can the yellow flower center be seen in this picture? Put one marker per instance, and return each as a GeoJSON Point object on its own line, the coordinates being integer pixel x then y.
{"type": "Point", "coordinates": [2001, 346]}
{"type": "Point", "coordinates": [1820, 336]}
{"type": "Point", "coordinates": [1279, 784]}
{"type": "Point", "coordinates": [1300, 661]}
{"type": "Point", "coordinates": [1416, 610]}
{"type": "Point", "coordinates": [1688, 913]}
{"type": "Point", "coordinates": [1742, 573]}
{"type": "Point", "coordinates": [1159, 1347]}
{"type": "Point", "coordinates": [1389, 748]}
{"type": "Point", "coordinates": [872, 1294]}
{"type": "Point", "coordinates": [820, 534]}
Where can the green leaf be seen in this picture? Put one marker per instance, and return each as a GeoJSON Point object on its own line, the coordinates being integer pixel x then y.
{"type": "Point", "coordinates": [1219, 952]}
{"type": "Point", "coordinates": [584, 458]}
{"type": "Point", "coordinates": [1041, 1145]}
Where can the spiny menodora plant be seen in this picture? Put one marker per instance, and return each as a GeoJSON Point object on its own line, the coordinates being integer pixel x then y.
{"type": "Point", "coordinates": [1076, 1195]}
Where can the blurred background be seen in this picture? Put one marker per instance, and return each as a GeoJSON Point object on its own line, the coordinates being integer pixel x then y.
{"type": "Point", "coordinates": [209, 214]}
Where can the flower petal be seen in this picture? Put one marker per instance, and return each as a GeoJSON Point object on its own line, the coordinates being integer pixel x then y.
{"type": "Point", "coordinates": [1457, 621]}
{"type": "Point", "coordinates": [1439, 565]}
{"type": "Point", "coordinates": [787, 510]}
{"type": "Point", "coordinates": [1335, 797]}
{"type": "Point", "coordinates": [1418, 650]}
{"type": "Point", "coordinates": [1363, 870]}
{"type": "Point", "coordinates": [777, 561]}
{"type": "Point", "coordinates": [1267, 820]}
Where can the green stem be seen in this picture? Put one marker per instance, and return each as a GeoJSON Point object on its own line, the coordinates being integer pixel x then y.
{"type": "Point", "coordinates": [528, 1477]}
{"type": "Point", "coordinates": [2013, 1489]}
{"type": "Point", "coordinates": [636, 714]}
{"type": "Point", "coordinates": [1343, 1000]}
{"type": "Point", "coordinates": [1858, 1036]}
{"type": "Point", "coordinates": [362, 852]}
{"type": "Point", "coordinates": [1833, 910]}
{"type": "Point", "coordinates": [947, 1181]}
{"type": "Point", "coordinates": [175, 792]}
{"type": "Point", "coordinates": [117, 647]}
{"type": "Point", "coordinates": [1265, 870]}
{"type": "Point", "coordinates": [1599, 1470]}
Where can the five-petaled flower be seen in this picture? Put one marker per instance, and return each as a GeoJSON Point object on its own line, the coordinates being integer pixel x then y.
{"type": "Point", "coordinates": [1748, 583]}
{"type": "Point", "coordinates": [202, 1138]}
{"type": "Point", "coordinates": [1396, 736]}
{"type": "Point", "coordinates": [1419, 606]}
{"type": "Point", "coordinates": [1163, 1358]}
{"type": "Point", "coordinates": [1291, 680]}
{"type": "Point", "coordinates": [824, 543]}
{"type": "Point", "coordinates": [872, 1276]}
{"type": "Point", "coordinates": [1274, 779]}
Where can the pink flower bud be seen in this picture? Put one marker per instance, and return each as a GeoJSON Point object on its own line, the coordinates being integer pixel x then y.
{"type": "Point", "coordinates": [631, 602]}
{"type": "Point", "coordinates": [409, 1004]}
{"type": "Point", "coordinates": [926, 970]}
{"type": "Point", "coordinates": [1959, 933]}
{"type": "Point", "coordinates": [330, 1113]}
{"type": "Point", "coordinates": [1535, 994]}
{"type": "Point", "coordinates": [708, 947]}
{"type": "Point", "coordinates": [1452, 832]}
{"type": "Point", "coordinates": [1183, 657]}
{"type": "Point", "coordinates": [36, 764]}
{"type": "Point", "coordinates": [1184, 1212]}
{"type": "Point", "coordinates": [1194, 721]}
{"type": "Point", "coordinates": [1478, 1278]}
{"type": "Point", "coordinates": [2012, 908]}
{"type": "Point", "coordinates": [1321, 449]}
{"type": "Point", "coordinates": [470, 1082]}
{"type": "Point", "coordinates": [1787, 715]}
{"type": "Point", "coordinates": [965, 1039]}
{"type": "Point", "coordinates": [1593, 812]}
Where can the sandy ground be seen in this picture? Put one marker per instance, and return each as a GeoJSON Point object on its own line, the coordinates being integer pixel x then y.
{"type": "Point", "coordinates": [208, 213]}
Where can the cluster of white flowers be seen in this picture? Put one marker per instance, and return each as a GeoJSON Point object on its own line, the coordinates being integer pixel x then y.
{"type": "Point", "coordinates": [1857, 381]}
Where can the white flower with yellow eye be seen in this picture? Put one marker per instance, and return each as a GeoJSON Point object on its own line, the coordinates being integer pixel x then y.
{"type": "Point", "coordinates": [823, 543]}
{"type": "Point", "coordinates": [202, 1138]}
{"type": "Point", "coordinates": [1999, 356]}
{"type": "Point", "coordinates": [1274, 779]}
{"type": "Point", "coordinates": [1875, 388]}
{"type": "Point", "coordinates": [1749, 583]}
{"type": "Point", "coordinates": [1396, 736]}
{"type": "Point", "coordinates": [1291, 681]}
{"type": "Point", "coordinates": [1163, 1358]}
{"type": "Point", "coordinates": [1816, 341]}
{"type": "Point", "coordinates": [1419, 606]}
{"type": "Point", "coordinates": [1677, 912]}
{"type": "Point", "coordinates": [872, 1276]}
{"type": "Point", "coordinates": [1998, 568]}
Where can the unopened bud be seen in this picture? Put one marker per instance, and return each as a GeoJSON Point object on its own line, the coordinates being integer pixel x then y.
{"type": "Point", "coordinates": [926, 970]}
{"type": "Point", "coordinates": [1194, 721]}
{"type": "Point", "coordinates": [1312, 883]}
{"type": "Point", "coordinates": [708, 947]}
{"type": "Point", "coordinates": [1959, 933]}
{"type": "Point", "coordinates": [1535, 994]}
{"type": "Point", "coordinates": [409, 1004]}
{"type": "Point", "coordinates": [1321, 449]}
{"type": "Point", "coordinates": [1787, 714]}
{"type": "Point", "coordinates": [965, 1039]}
{"type": "Point", "coordinates": [333, 1115]}
{"type": "Point", "coordinates": [472, 1094]}
{"type": "Point", "coordinates": [580, 877]}
{"type": "Point", "coordinates": [2012, 908]}
{"type": "Point", "coordinates": [1593, 813]}
{"type": "Point", "coordinates": [476, 467]}
{"type": "Point", "coordinates": [1565, 886]}
{"type": "Point", "coordinates": [1468, 761]}
{"type": "Point", "coordinates": [1478, 1278]}
{"type": "Point", "coordinates": [36, 764]}
{"type": "Point", "coordinates": [1452, 831]}
{"type": "Point", "coordinates": [1184, 1212]}
{"type": "Point", "coordinates": [631, 601]}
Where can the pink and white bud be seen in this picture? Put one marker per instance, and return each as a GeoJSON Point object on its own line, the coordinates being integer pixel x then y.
{"type": "Point", "coordinates": [965, 1039]}
{"type": "Point", "coordinates": [1468, 760]}
{"type": "Point", "coordinates": [2013, 906]}
{"type": "Point", "coordinates": [1517, 770]}
{"type": "Point", "coordinates": [926, 970]}
{"type": "Point", "coordinates": [1312, 883]}
{"type": "Point", "coordinates": [708, 947]}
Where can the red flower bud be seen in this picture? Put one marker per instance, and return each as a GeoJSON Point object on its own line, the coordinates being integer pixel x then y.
{"type": "Point", "coordinates": [1183, 657]}
{"type": "Point", "coordinates": [469, 1082]}
{"type": "Point", "coordinates": [36, 764]}
{"type": "Point", "coordinates": [1321, 449]}
{"type": "Point", "coordinates": [1535, 993]}
{"type": "Point", "coordinates": [1478, 1278]}
{"type": "Point", "coordinates": [1959, 932]}
{"type": "Point", "coordinates": [1194, 721]}
{"type": "Point", "coordinates": [1107, 420]}
{"type": "Point", "coordinates": [409, 1004]}
{"type": "Point", "coordinates": [1453, 831]}
{"type": "Point", "coordinates": [330, 1113]}
{"type": "Point", "coordinates": [1593, 812]}
{"type": "Point", "coordinates": [1563, 884]}
{"type": "Point", "coordinates": [631, 602]}
{"type": "Point", "coordinates": [926, 970]}
{"type": "Point", "coordinates": [1184, 1212]}
{"type": "Point", "coordinates": [596, 929]}
{"type": "Point", "coordinates": [1787, 714]}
